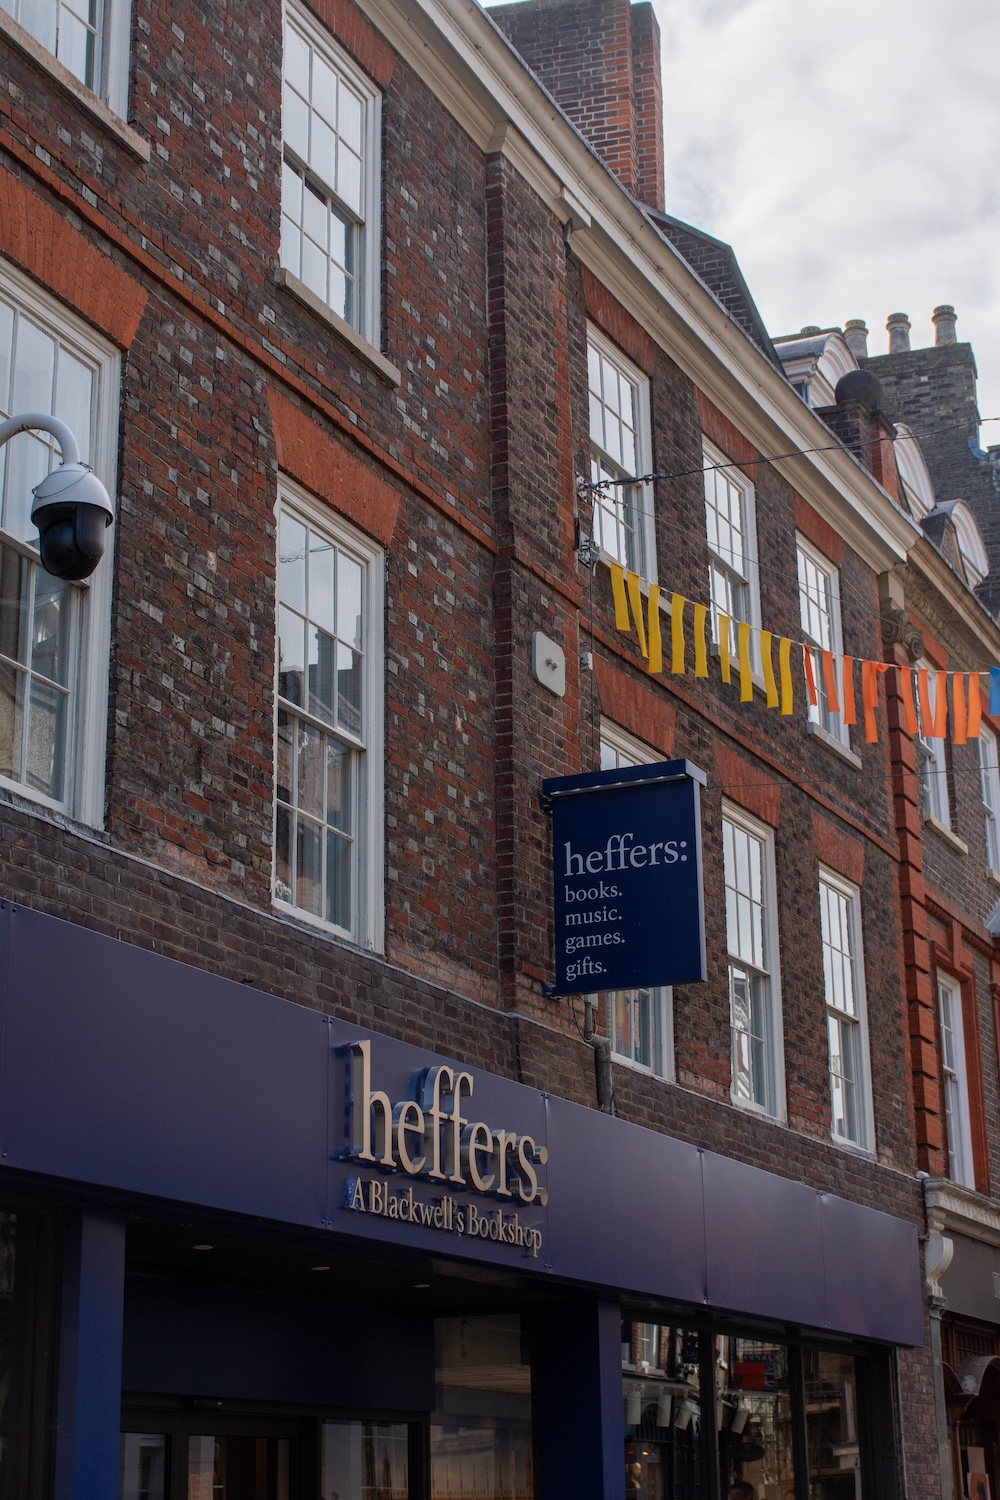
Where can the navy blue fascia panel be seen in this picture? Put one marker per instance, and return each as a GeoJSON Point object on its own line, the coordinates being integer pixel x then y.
{"type": "Point", "coordinates": [132, 1073]}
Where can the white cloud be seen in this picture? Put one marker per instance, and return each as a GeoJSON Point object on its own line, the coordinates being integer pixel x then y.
{"type": "Point", "coordinates": [847, 150]}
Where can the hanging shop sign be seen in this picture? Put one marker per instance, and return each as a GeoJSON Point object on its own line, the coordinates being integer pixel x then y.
{"type": "Point", "coordinates": [627, 879]}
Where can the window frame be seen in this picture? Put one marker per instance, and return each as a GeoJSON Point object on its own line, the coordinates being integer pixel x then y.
{"type": "Point", "coordinates": [717, 462]}
{"type": "Point", "coordinates": [774, 1106]}
{"type": "Point", "coordinates": [368, 931]}
{"type": "Point", "coordinates": [368, 323]}
{"type": "Point", "coordinates": [966, 1175]}
{"type": "Point", "coordinates": [644, 530]}
{"type": "Point", "coordinates": [989, 784]}
{"type": "Point", "coordinates": [633, 752]}
{"type": "Point", "coordinates": [820, 716]}
{"type": "Point", "coordinates": [111, 73]}
{"type": "Point", "coordinates": [84, 802]}
{"type": "Point", "coordinates": [866, 1118]}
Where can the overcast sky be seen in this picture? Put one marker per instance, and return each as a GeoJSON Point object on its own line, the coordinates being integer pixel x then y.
{"type": "Point", "coordinates": [849, 151]}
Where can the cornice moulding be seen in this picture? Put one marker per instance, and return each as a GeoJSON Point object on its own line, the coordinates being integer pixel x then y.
{"type": "Point", "coordinates": [950, 605]}
{"type": "Point", "coordinates": [951, 1207]}
{"type": "Point", "coordinates": [458, 53]}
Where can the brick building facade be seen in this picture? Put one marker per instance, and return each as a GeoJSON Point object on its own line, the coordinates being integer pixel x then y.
{"type": "Point", "coordinates": [348, 362]}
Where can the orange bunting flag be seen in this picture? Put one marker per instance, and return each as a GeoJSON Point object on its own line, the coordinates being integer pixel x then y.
{"type": "Point", "coordinates": [785, 669]}
{"type": "Point", "coordinates": [635, 599]}
{"type": "Point", "coordinates": [807, 662]}
{"type": "Point", "coordinates": [677, 603]}
{"type": "Point", "coordinates": [870, 673]}
{"type": "Point", "coordinates": [830, 682]}
{"type": "Point", "coordinates": [958, 712]}
{"type": "Point", "coordinates": [924, 696]}
{"type": "Point", "coordinates": [655, 639]}
{"type": "Point", "coordinates": [622, 621]}
{"type": "Point", "coordinates": [700, 647]}
{"type": "Point", "coordinates": [975, 714]}
{"type": "Point", "coordinates": [909, 707]}
{"type": "Point", "coordinates": [724, 662]}
{"type": "Point", "coordinates": [746, 672]}
{"type": "Point", "coordinates": [770, 685]}
{"type": "Point", "coordinates": [941, 707]}
{"type": "Point", "coordinates": [850, 712]}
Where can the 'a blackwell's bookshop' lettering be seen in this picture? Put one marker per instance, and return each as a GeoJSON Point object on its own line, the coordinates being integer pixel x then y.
{"type": "Point", "coordinates": [431, 1137]}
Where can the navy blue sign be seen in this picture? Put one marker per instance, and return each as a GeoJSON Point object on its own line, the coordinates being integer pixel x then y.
{"type": "Point", "coordinates": [627, 886]}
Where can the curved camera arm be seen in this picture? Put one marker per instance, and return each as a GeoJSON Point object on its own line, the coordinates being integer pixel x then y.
{"type": "Point", "coordinates": [40, 422]}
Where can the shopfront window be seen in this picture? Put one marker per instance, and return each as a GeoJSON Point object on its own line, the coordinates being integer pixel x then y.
{"type": "Point", "coordinates": [481, 1439]}
{"type": "Point", "coordinates": [661, 1392]}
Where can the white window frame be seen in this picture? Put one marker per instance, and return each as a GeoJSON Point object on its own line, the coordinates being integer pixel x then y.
{"type": "Point", "coordinates": [989, 781]}
{"type": "Point", "coordinates": [111, 69]}
{"type": "Point", "coordinates": [773, 1104]}
{"type": "Point", "coordinates": [865, 1139]}
{"type": "Point", "coordinates": [820, 716]}
{"type": "Point", "coordinates": [629, 751]}
{"type": "Point", "coordinates": [717, 462]}
{"type": "Point", "coordinates": [369, 920]}
{"type": "Point", "coordinates": [367, 321]}
{"type": "Point", "coordinates": [955, 1082]}
{"type": "Point", "coordinates": [84, 801]}
{"type": "Point", "coordinates": [636, 498]}
{"type": "Point", "coordinates": [933, 756]}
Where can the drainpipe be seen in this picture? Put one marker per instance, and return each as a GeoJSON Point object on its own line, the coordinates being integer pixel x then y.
{"type": "Point", "coordinates": [602, 1059]}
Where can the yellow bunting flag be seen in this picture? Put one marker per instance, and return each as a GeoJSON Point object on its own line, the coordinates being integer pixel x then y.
{"type": "Point", "coordinates": [924, 698]}
{"type": "Point", "coordinates": [975, 715]}
{"type": "Point", "coordinates": [743, 651]}
{"type": "Point", "coordinates": [807, 662]}
{"type": "Point", "coordinates": [677, 603]}
{"type": "Point", "coordinates": [700, 646]}
{"type": "Point", "coordinates": [622, 621]}
{"type": "Point", "coordinates": [909, 707]}
{"type": "Point", "coordinates": [769, 683]}
{"type": "Point", "coordinates": [785, 668]}
{"type": "Point", "coordinates": [958, 711]}
{"type": "Point", "coordinates": [655, 639]}
{"type": "Point", "coordinates": [724, 663]}
{"type": "Point", "coordinates": [850, 711]}
{"type": "Point", "coordinates": [941, 707]}
{"type": "Point", "coordinates": [830, 682]}
{"type": "Point", "coordinates": [635, 599]}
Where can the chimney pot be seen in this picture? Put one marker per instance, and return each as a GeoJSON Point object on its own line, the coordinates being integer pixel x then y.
{"type": "Point", "coordinates": [811, 328]}
{"type": "Point", "coordinates": [943, 318]}
{"type": "Point", "coordinates": [856, 336]}
{"type": "Point", "coordinates": [898, 325]}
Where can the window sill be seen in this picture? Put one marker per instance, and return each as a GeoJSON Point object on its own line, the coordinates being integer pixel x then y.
{"type": "Point", "coordinates": [760, 1110]}
{"type": "Point", "coordinates": [865, 1152]}
{"type": "Point", "coordinates": [78, 92]}
{"type": "Point", "coordinates": [830, 742]}
{"type": "Point", "coordinates": [383, 367]}
{"type": "Point", "coordinates": [944, 832]}
{"type": "Point", "coordinates": [638, 1067]}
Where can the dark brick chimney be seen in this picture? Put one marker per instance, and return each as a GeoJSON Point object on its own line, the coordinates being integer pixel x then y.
{"type": "Point", "coordinates": [600, 60]}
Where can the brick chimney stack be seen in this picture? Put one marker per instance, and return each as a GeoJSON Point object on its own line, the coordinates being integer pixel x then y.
{"type": "Point", "coordinates": [600, 60]}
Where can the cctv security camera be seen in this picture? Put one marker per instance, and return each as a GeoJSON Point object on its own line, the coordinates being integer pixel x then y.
{"type": "Point", "coordinates": [72, 511]}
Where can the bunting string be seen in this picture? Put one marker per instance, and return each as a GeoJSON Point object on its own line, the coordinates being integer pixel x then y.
{"type": "Point", "coordinates": [936, 704]}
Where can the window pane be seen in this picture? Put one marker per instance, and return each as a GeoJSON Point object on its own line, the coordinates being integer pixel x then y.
{"type": "Point", "coordinates": [349, 690]}
{"type": "Point", "coordinates": [11, 720]}
{"type": "Point", "coordinates": [756, 1445]}
{"type": "Point", "coordinates": [34, 368]}
{"type": "Point", "coordinates": [292, 562]}
{"type": "Point", "coordinates": [6, 350]}
{"type": "Point", "coordinates": [46, 739]}
{"type": "Point", "coordinates": [74, 399]}
{"type": "Point", "coordinates": [311, 770]}
{"type": "Point", "coordinates": [50, 635]}
{"type": "Point", "coordinates": [338, 879]}
{"type": "Point", "coordinates": [309, 867]}
{"type": "Point", "coordinates": [28, 462]}
{"type": "Point", "coordinates": [365, 1461]}
{"type": "Point", "coordinates": [39, 18]}
{"type": "Point", "coordinates": [662, 1409]}
{"type": "Point", "coordinates": [231, 1467]}
{"type": "Point", "coordinates": [832, 1425]}
{"type": "Point", "coordinates": [349, 601]}
{"type": "Point", "coordinates": [296, 62]}
{"type": "Point", "coordinates": [321, 568]}
{"type": "Point", "coordinates": [295, 124]}
{"type": "Point", "coordinates": [291, 662]}
{"type": "Point", "coordinates": [143, 1466]}
{"type": "Point", "coordinates": [321, 672]}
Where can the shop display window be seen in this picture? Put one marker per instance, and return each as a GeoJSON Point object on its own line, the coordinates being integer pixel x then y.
{"type": "Point", "coordinates": [365, 1461]}
{"type": "Point", "coordinates": [712, 1416]}
{"type": "Point", "coordinates": [481, 1434]}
